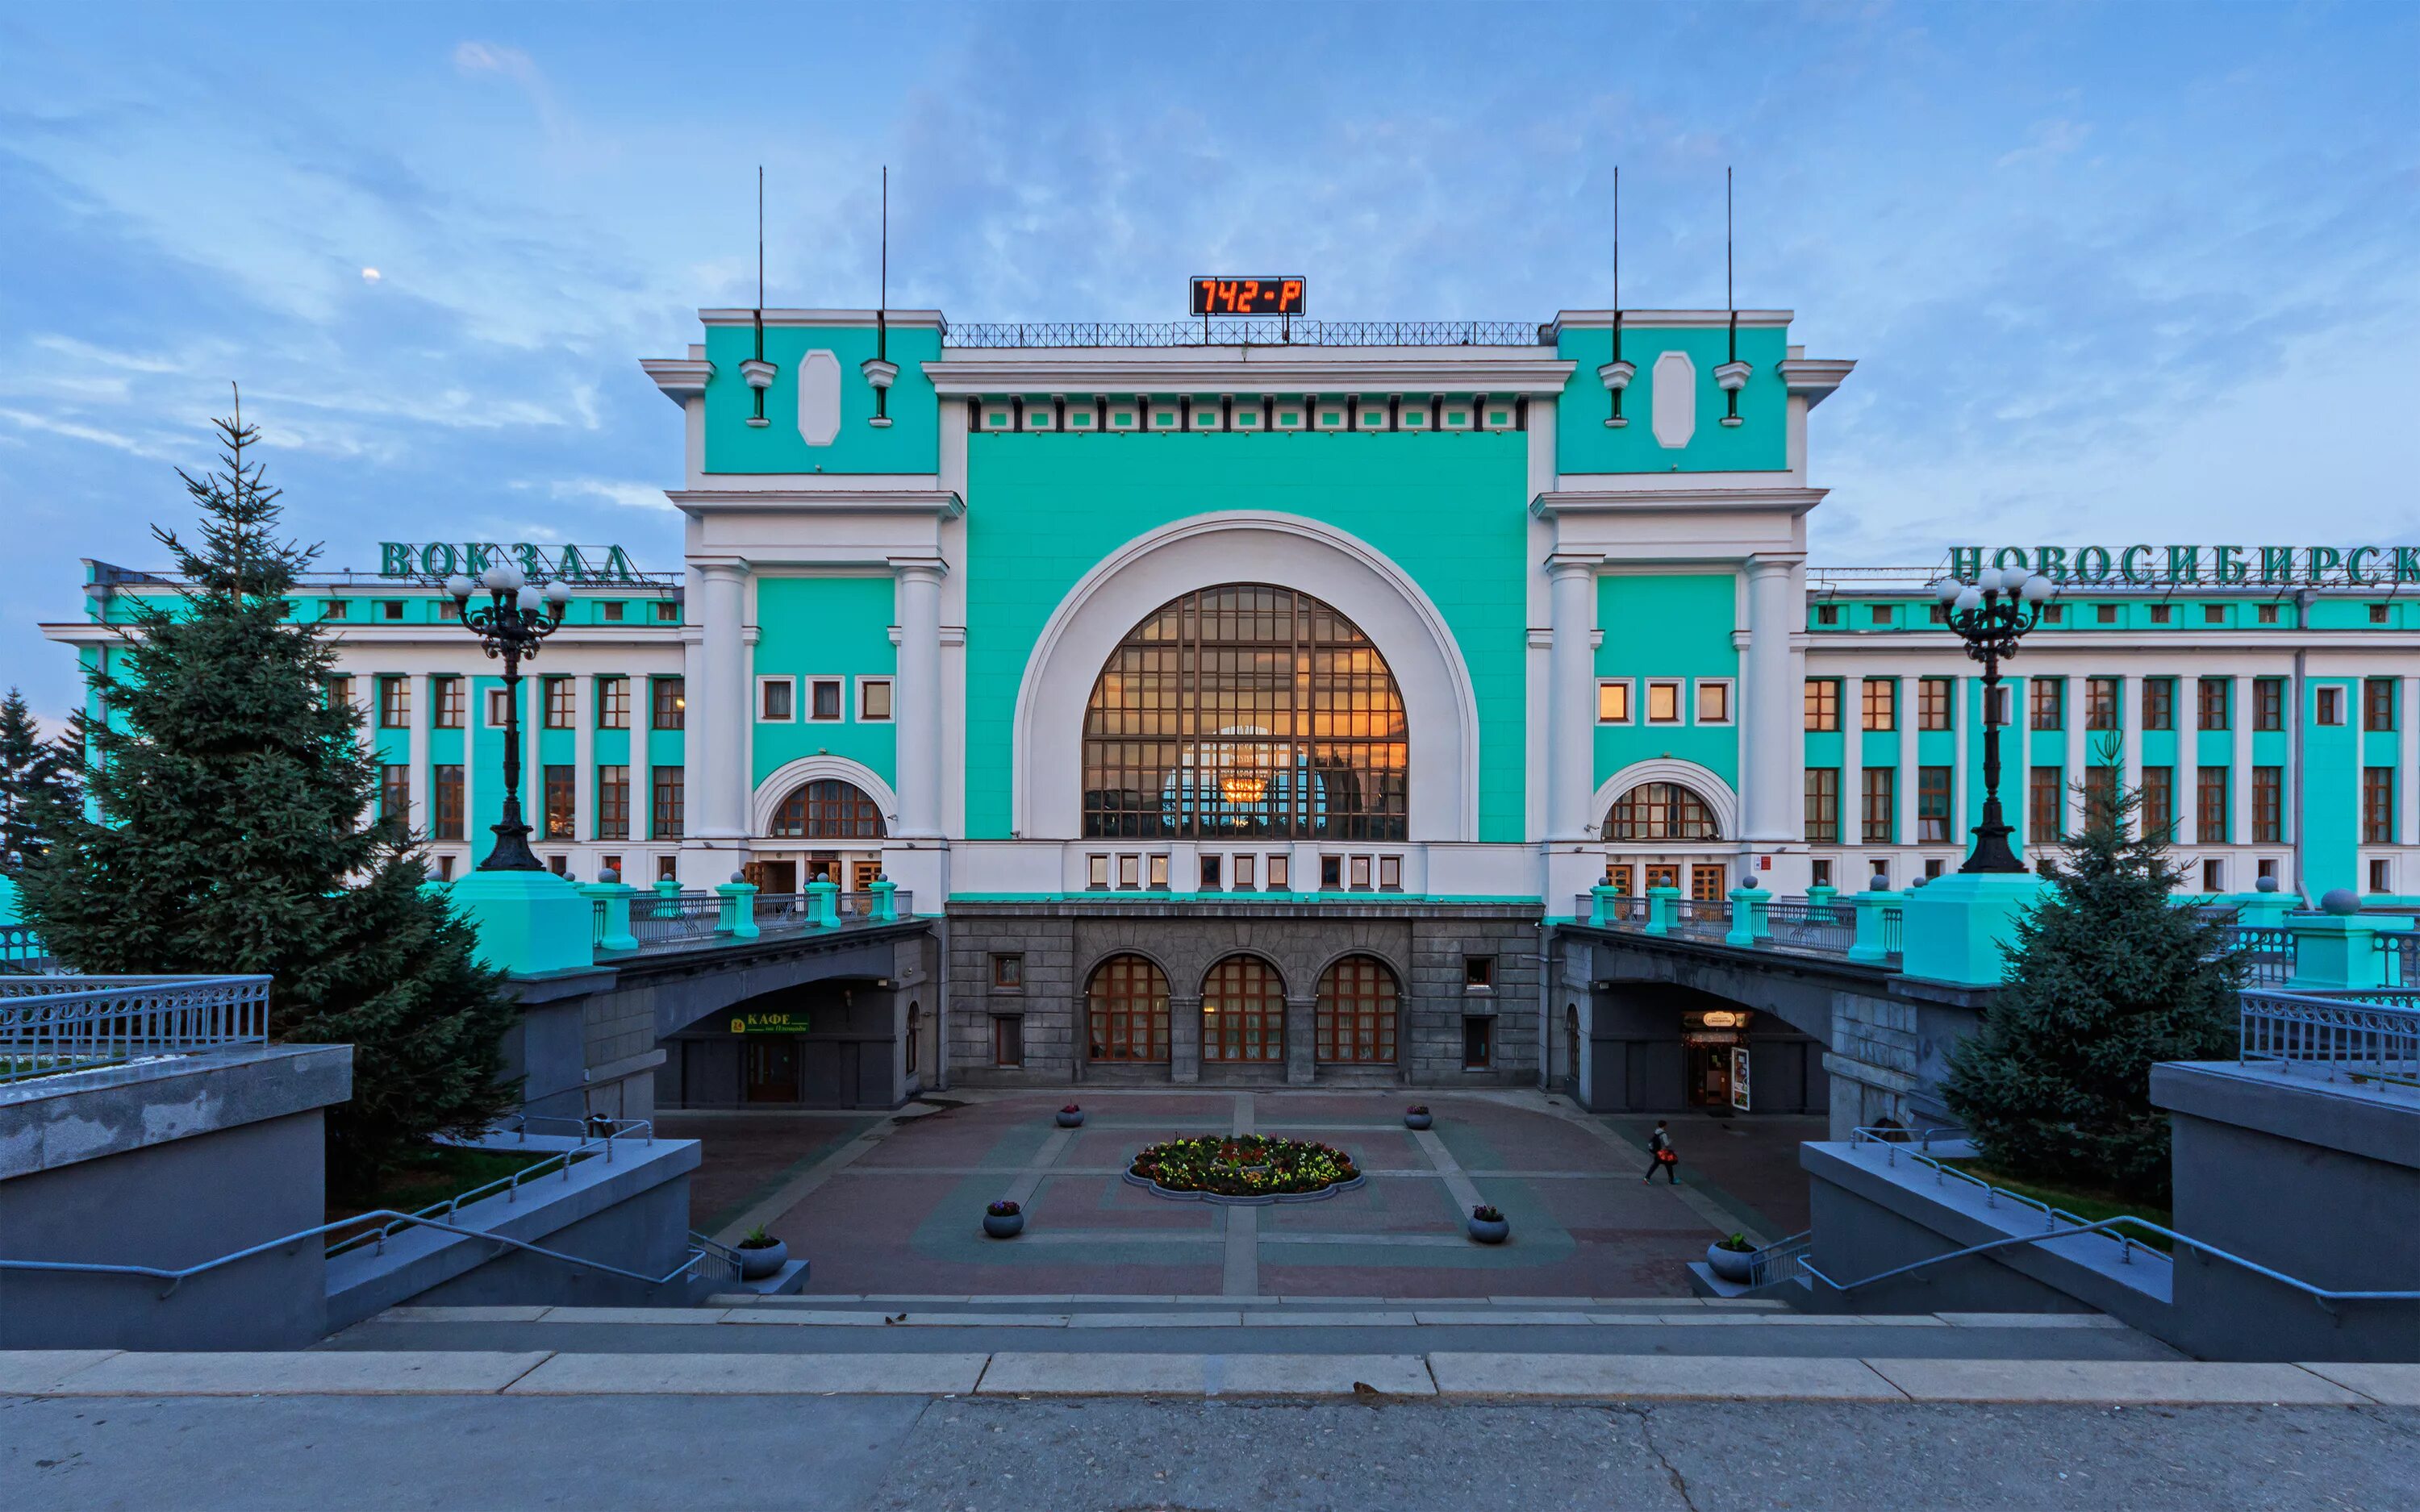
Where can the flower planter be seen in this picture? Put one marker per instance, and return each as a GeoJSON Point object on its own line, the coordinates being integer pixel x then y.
{"type": "Point", "coordinates": [1733, 1265]}
{"type": "Point", "coordinates": [1003, 1224]}
{"type": "Point", "coordinates": [1418, 1121]}
{"type": "Point", "coordinates": [1491, 1230]}
{"type": "Point", "coordinates": [1071, 1120]}
{"type": "Point", "coordinates": [757, 1262]}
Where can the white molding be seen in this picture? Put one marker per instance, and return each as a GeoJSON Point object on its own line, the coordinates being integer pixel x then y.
{"type": "Point", "coordinates": [1246, 546]}
{"type": "Point", "coordinates": [1672, 399]}
{"type": "Point", "coordinates": [1815, 378]}
{"type": "Point", "coordinates": [1650, 498]}
{"type": "Point", "coordinates": [912, 320]}
{"type": "Point", "coordinates": [787, 778]}
{"type": "Point", "coordinates": [1499, 370]}
{"type": "Point", "coordinates": [1699, 780]}
{"type": "Point", "coordinates": [842, 497]}
{"type": "Point", "coordinates": [681, 378]}
{"type": "Point", "coordinates": [817, 391]}
{"type": "Point", "coordinates": [1665, 320]}
{"type": "Point", "coordinates": [777, 677]}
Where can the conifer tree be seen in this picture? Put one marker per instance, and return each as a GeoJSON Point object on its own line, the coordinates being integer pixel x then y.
{"type": "Point", "coordinates": [35, 790]}
{"type": "Point", "coordinates": [234, 833]}
{"type": "Point", "coordinates": [2105, 977]}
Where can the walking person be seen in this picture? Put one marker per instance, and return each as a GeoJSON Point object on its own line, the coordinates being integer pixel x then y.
{"type": "Point", "coordinates": [1664, 1157]}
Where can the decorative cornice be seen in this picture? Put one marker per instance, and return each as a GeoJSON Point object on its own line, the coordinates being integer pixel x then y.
{"type": "Point", "coordinates": [895, 319]}
{"type": "Point", "coordinates": [1816, 377]}
{"type": "Point", "coordinates": [1664, 319]}
{"type": "Point", "coordinates": [682, 378]}
{"type": "Point", "coordinates": [1794, 501]}
{"type": "Point", "coordinates": [1252, 370]}
{"type": "Point", "coordinates": [943, 502]}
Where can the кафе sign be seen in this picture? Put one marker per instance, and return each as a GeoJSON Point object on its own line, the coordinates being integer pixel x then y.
{"type": "Point", "coordinates": [2221, 566]}
{"type": "Point", "coordinates": [538, 564]}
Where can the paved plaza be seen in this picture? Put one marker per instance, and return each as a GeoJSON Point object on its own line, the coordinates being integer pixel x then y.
{"type": "Point", "coordinates": [894, 1206]}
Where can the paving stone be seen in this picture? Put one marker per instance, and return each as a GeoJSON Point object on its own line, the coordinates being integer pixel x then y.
{"type": "Point", "coordinates": [1227, 1319]}
{"type": "Point", "coordinates": [2029, 1320]}
{"type": "Point", "coordinates": [2397, 1385]}
{"type": "Point", "coordinates": [1466, 1319]}
{"type": "Point", "coordinates": [752, 1375]}
{"type": "Point", "coordinates": [1710, 1376]}
{"type": "Point", "coordinates": [1335, 1319]}
{"type": "Point", "coordinates": [307, 1373]}
{"type": "Point", "coordinates": [804, 1316]}
{"type": "Point", "coordinates": [2183, 1381]}
{"type": "Point", "coordinates": [32, 1372]}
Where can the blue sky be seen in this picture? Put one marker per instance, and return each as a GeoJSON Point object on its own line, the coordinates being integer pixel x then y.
{"type": "Point", "coordinates": [2142, 272]}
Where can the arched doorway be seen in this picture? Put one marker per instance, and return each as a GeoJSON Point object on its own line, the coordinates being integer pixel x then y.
{"type": "Point", "coordinates": [1246, 711]}
{"type": "Point", "coordinates": [1359, 1005]}
{"type": "Point", "coordinates": [1243, 1012]}
{"type": "Point", "coordinates": [1665, 834]}
{"type": "Point", "coordinates": [839, 829]}
{"type": "Point", "coordinates": [1125, 1010]}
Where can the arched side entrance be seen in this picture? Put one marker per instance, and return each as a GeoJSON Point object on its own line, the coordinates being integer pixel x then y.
{"type": "Point", "coordinates": [1243, 1012]}
{"type": "Point", "coordinates": [1125, 1012]}
{"type": "Point", "coordinates": [819, 817]}
{"type": "Point", "coordinates": [1669, 824]}
{"type": "Point", "coordinates": [1360, 1008]}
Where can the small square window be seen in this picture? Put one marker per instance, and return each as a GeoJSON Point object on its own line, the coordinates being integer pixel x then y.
{"type": "Point", "coordinates": [1714, 703]}
{"type": "Point", "coordinates": [2266, 614]}
{"type": "Point", "coordinates": [1278, 870]}
{"type": "Point", "coordinates": [445, 869]}
{"type": "Point", "coordinates": [1613, 703]}
{"type": "Point", "coordinates": [1663, 703]}
{"type": "Point", "coordinates": [1885, 615]}
{"type": "Point", "coordinates": [2163, 614]}
{"type": "Point", "coordinates": [1096, 873]}
{"type": "Point", "coordinates": [337, 608]}
{"type": "Point", "coordinates": [1478, 1043]}
{"type": "Point", "coordinates": [1361, 872]}
{"type": "Point", "coordinates": [1008, 973]}
{"type": "Point", "coordinates": [667, 868]}
{"type": "Point", "coordinates": [2054, 614]}
{"type": "Point", "coordinates": [2213, 876]}
{"type": "Point", "coordinates": [391, 609]}
{"type": "Point", "coordinates": [500, 708]}
{"type": "Point", "coordinates": [1129, 871]}
{"type": "Point", "coordinates": [559, 865]}
{"type": "Point", "coordinates": [776, 699]}
{"type": "Point", "coordinates": [1880, 875]}
{"type": "Point", "coordinates": [1933, 868]}
{"type": "Point", "coordinates": [2268, 867]}
{"type": "Point", "coordinates": [1819, 874]}
{"type": "Point", "coordinates": [1208, 867]}
{"type": "Point", "coordinates": [1390, 873]}
{"type": "Point", "coordinates": [2330, 705]}
{"type": "Point", "coordinates": [1244, 872]}
{"type": "Point", "coordinates": [874, 699]}
{"type": "Point", "coordinates": [2381, 876]}
{"type": "Point", "coordinates": [610, 611]}
{"type": "Point", "coordinates": [1157, 874]}
{"type": "Point", "coordinates": [2378, 616]}
{"type": "Point", "coordinates": [667, 612]}
{"type": "Point", "coordinates": [1827, 613]}
{"type": "Point", "coordinates": [2213, 615]}
{"type": "Point", "coordinates": [2106, 614]}
{"type": "Point", "coordinates": [824, 693]}
{"type": "Point", "coordinates": [1478, 972]}
{"type": "Point", "coordinates": [1331, 872]}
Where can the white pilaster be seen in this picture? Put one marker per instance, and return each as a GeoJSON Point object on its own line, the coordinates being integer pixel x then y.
{"type": "Point", "coordinates": [1852, 775]}
{"type": "Point", "coordinates": [2239, 777]}
{"type": "Point", "coordinates": [715, 730]}
{"type": "Point", "coordinates": [1964, 740]}
{"type": "Point", "coordinates": [918, 702]}
{"type": "Point", "coordinates": [2407, 775]}
{"type": "Point", "coordinates": [584, 757]}
{"type": "Point", "coordinates": [1771, 741]}
{"type": "Point", "coordinates": [2073, 701]}
{"type": "Point", "coordinates": [2184, 712]}
{"type": "Point", "coordinates": [1910, 691]}
{"type": "Point", "coordinates": [424, 781]}
{"type": "Point", "coordinates": [2130, 735]}
{"type": "Point", "coordinates": [1571, 708]}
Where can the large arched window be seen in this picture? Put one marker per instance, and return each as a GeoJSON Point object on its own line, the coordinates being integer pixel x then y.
{"type": "Point", "coordinates": [1243, 1012]}
{"type": "Point", "coordinates": [1357, 1012]}
{"type": "Point", "coordinates": [1126, 1008]}
{"type": "Point", "coordinates": [1661, 810]}
{"type": "Point", "coordinates": [1246, 711]}
{"type": "Point", "coordinates": [828, 809]}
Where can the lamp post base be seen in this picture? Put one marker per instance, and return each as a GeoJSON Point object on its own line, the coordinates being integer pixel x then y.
{"type": "Point", "coordinates": [529, 922]}
{"type": "Point", "coordinates": [1952, 928]}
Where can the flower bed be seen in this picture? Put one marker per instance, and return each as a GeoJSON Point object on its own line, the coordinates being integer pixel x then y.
{"type": "Point", "coordinates": [1243, 1169]}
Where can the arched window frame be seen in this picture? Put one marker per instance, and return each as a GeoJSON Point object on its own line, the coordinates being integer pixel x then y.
{"type": "Point", "coordinates": [1126, 1012]}
{"type": "Point", "coordinates": [828, 809]}
{"type": "Point", "coordinates": [1662, 811]}
{"type": "Point", "coordinates": [1243, 1012]}
{"type": "Point", "coordinates": [1359, 1008]}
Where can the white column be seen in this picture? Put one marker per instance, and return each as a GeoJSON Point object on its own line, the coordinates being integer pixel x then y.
{"type": "Point", "coordinates": [2129, 732]}
{"type": "Point", "coordinates": [1770, 734]}
{"type": "Point", "coordinates": [584, 758]}
{"type": "Point", "coordinates": [2239, 777]}
{"type": "Point", "coordinates": [2407, 772]}
{"type": "Point", "coordinates": [1963, 781]}
{"type": "Point", "coordinates": [1911, 688]}
{"type": "Point", "coordinates": [2072, 695]}
{"type": "Point", "coordinates": [1571, 696]}
{"type": "Point", "coordinates": [424, 781]}
{"type": "Point", "coordinates": [2186, 716]}
{"type": "Point", "coordinates": [917, 704]}
{"type": "Point", "coordinates": [718, 711]}
{"type": "Point", "coordinates": [2016, 762]}
{"type": "Point", "coordinates": [1853, 776]}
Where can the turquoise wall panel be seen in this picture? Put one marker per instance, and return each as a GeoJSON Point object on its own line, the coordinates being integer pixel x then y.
{"type": "Point", "coordinates": [1584, 443]}
{"type": "Point", "coordinates": [2330, 799]}
{"type": "Point", "coordinates": [1669, 625]}
{"type": "Point", "coordinates": [825, 627]}
{"type": "Point", "coordinates": [912, 443]}
{"type": "Point", "coordinates": [612, 747]}
{"type": "Point", "coordinates": [1450, 510]}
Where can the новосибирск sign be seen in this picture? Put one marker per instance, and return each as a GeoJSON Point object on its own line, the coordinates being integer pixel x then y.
{"type": "Point", "coordinates": [2223, 567]}
{"type": "Point", "coordinates": [539, 564]}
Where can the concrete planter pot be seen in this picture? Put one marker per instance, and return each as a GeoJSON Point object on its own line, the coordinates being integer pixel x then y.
{"type": "Point", "coordinates": [762, 1261]}
{"type": "Point", "coordinates": [1491, 1230]}
{"type": "Point", "coordinates": [1003, 1224]}
{"type": "Point", "coordinates": [1418, 1121]}
{"type": "Point", "coordinates": [1071, 1120]}
{"type": "Point", "coordinates": [1733, 1265]}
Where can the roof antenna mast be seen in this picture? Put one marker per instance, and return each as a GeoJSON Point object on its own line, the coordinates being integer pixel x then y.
{"type": "Point", "coordinates": [1616, 375]}
{"type": "Point", "coordinates": [879, 369]}
{"type": "Point", "coordinates": [758, 372]}
{"type": "Point", "coordinates": [1733, 374]}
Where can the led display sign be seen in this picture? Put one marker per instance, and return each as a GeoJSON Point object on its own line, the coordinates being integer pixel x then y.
{"type": "Point", "coordinates": [1247, 296]}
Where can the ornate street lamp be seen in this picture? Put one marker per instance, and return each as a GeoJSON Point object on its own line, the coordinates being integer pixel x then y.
{"type": "Point", "coordinates": [1991, 615]}
{"type": "Point", "coordinates": [517, 619]}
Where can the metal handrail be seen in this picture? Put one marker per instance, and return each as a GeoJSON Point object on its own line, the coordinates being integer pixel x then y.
{"type": "Point", "coordinates": [2267, 951]}
{"type": "Point", "coordinates": [1893, 932]}
{"type": "Point", "coordinates": [2400, 951]}
{"type": "Point", "coordinates": [54, 1024]}
{"type": "Point", "coordinates": [22, 949]}
{"type": "Point", "coordinates": [1801, 925]}
{"type": "Point", "coordinates": [1701, 916]}
{"type": "Point", "coordinates": [2370, 1036]}
{"type": "Point", "coordinates": [1992, 1196]}
{"type": "Point", "coordinates": [510, 1185]}
{"type": "Point", "coordinates": [1778, 1260]}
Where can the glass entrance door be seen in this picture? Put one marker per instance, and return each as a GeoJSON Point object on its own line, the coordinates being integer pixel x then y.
{"type": "Point", "coordinates": [1710, 1075]}
{"type": "Point", "coordinates": [771, 1071]}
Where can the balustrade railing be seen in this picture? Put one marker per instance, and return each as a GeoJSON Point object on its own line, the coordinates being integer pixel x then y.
{"type": "Point", "coordinates": [2401, 958]}
{"type": "Point", "coordinates": [1893, 932]}
{"type": "Point", "coordinates": [2369, 1039]}
{"type": "Point", "coordinates": [674, 922]}
{"type": "Point", "coordinates": [50, 1024]}
{"type": "Point", "coordinates": [1701, 918]}
{"type": "Point", "coordinates": [686, 920]}
{"type": "Point", "coordinates": [1228, 330]}
{"type": "Point", "coordinates": [1801, 925]}
{"type": "Point", "coordinates": [22, 950]}
{"type": "Point", "coordinates": [2267, 951]}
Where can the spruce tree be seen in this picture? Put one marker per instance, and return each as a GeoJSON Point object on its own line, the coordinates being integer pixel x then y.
{"type": "Point", "coordinates": [36, 789]}
{"type": "Point", "coordinates": [2105, 977]}
{"type": "Point", "coordinates": [233, 834]}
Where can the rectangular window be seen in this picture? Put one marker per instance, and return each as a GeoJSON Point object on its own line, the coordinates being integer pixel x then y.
{"type": "Point", "coordinates": [1998, 702]}
{"type": "Point", "coordinates": [394, 794]}
{"type": "Point", "coordinates": [2100, 704]}
{"type": "Point", "coordinates": [559, 790]}
{"type": "Point", "coordinates": [667, 612]}
{"type": "Point", "coordinates": [2267, 614]}
{"type": "Point", "coordinates": [1820, 871]}
{"type": "Point", "coordinates": [1206, 873]}
{"type": "Point", "coordinates": [1932, 805]}
{"type": "Point", "coordinates": [2381, 875]}
{"type": "Point", "coordinates": [1823, 805]}
{"type": "Point", "coordinates": [1390, 873]}
{"type": "Point", "coordinates": [612, 803]}
{"type": "Point", "coordinates": [2328, 706]}
{"type": "Point", "coordinates": [1714, 703]}
{"type": "Point", "coordinates": [2213, 615]}
{"type": "Point", "coordinates": [671, 803]}
{"type": "Point", "coordinates": [1478, 1043]}
{"type": "Point", "coordinates": [2159, 704]}
{"type": "Point", "coordinates": [2378, 805]}
{"type": "Point", "coordinates": [776, 699]}
{"type": "Point", "coordinates": [1096, 873]}
{"type": "Point", "coordinates": [445, 812]}
{"type": "Point", "coordinates": [1822, 704]}
{"type": "Point", "coordinates": [2159, 800]}
{"type": "Point", "coordinates": [2047, 701]}
{"type": "Point", "coordinates": [1243, 873]}
{"type": "Point", "coordinates": [610, 611]}
{"type": "Point", "coordinates": [874, 699]}
{"type": "Point", "coordinates": [340, 691]}
{"type": "Point", "coordinates": [2210, 699]}
{"type": "Point", "coordinates": [1130, 873]}
{"type": "Point", "coordinates": [1881, 813]}
{"type": "Point", "coordinates": [1663, 703]}
{"type": "Point", "coordinates": [2045, 805]}
{"type": "Point", "coordinates": [1008, 972]}
{"type": "Point", "coordinates": [1008, 1040]}
{"type": "Point", "coordinates": [391, 609]}
{"type": "Point", "coordinates": [1880, 705]}
{"type": "Point", "coordinates": [2107, 615]}
{"type": "Point", "coordinates": [823, 700]}
{"type": "Point", "coordinates": [612, 704]}
{"type": "Point", "coordinates": [1278, 870]}
{"type": "Point", "coordinates": [2100, 793]}
{"type": "Point", "coordinates": [1360, 873]}
{"type": "Point", "coordinates": [2214, 876]}
{"type": "Point", "coordinates": [2378, 704]}
{"type": "Point", "coordinates": [2377, 615]}
{"type": "Point", "coordinates": [2054, 613]}
{"type": "Point", "coordinates": [445, 869]}
{"type": "Point", "coordinates": [2163, 614]}
{"type": "Point", "coordinates": [2268, 805]}
{"type": "Point", "coordinates": [395, 703]}
{"type": "Point", "coordinates": [500, 708]}
{"type": "Point", "coordinates": [445, 697]}
{"type": "Point", "coordinates": [1331, 873]}
{"type": "Point", "coordinates": [1827, 613]}
{"type": "Point", "coordinates": [1932, 703]}
{"type": "Point", "coordinates": [337, 608]}
{"type": "Point", "coordinates": [1478, 972]}
{"type": "Point", "coordinates": [1883, 613]}
{"type": "Point", "coordinates": [2210, 805]}
{"type": "Point", "coordinates": [561, 703]}
{"type": "Point", "coordinates": [1155, 873]}
{"type": "Point", "coordinates": [2269, 704]}
{"type": "Point", "coordinates": [1613, 703]}
{"type": "Point", "coordinates": [669, 702]}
